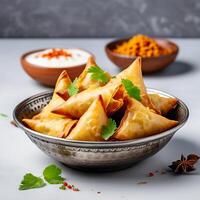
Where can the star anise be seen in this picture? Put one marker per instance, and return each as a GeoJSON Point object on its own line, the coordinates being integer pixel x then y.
{"type": "Point", "coordinates": [185, 164]}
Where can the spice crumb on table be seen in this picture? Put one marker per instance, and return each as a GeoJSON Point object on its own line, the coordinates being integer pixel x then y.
{"type": "Point", "coordinates": [142, 182]}
{"type": "Point", "coordinates": [151, 174]}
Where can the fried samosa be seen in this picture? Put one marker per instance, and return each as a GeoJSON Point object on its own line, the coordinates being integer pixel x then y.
{"type": "Point", "coordinates": [57, 127]}
{"type": "Point", "coordinates": [84, 81]}
{"type": "Point", "coordinates": [139, 121]}
{"type": "Point", "coordinates": [62, 84]}
{"type": "Point", "coordinates": [78, 104]}
{"type": "Point", "coordinates": [90, 124]}
{"type": "Point", "coordinates": [134, 74]}
{"type": "Point", "coordinates": [163, 104]}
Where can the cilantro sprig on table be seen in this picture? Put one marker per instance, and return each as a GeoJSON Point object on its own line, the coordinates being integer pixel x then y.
{"type": "Point", "coordinates": [98, 74]}
{"type": "Point", "coordinates": [51, 174]}
{"type": "Point", "coordinates": [3, 115]}
{"type": "Point", "coordinates": [109, 129]}
{"type": "Point", "coordinates": [30, 181]}
{"type": "Point", "coordinates": [132, 90]}
{"type": "Point", "coordinates": [73, 89]}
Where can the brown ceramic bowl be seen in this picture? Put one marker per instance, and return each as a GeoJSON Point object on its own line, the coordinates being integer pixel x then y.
{"type": "Point", "coordinates": [149, 65]}
{"type": "Point", "coordinates": [48, 75]}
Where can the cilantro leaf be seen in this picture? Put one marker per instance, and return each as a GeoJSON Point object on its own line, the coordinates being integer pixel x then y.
{"type": "Point", "coordinates": [132, 90]}
{"type": "Point", "coordinates": [52, 174]}
{"type": "Point", "coordinates": [30, 181]}
{"type": "Point", "coordinates": [109, 129]}
{"type": "Point", "coordinates": [72, 89]}
{"type": "Point", "coordinates": [3, 115]}
{"type": "Point", "coordinates": [62, 187]}
{"type": "Point", "coordinates": [98, 74]}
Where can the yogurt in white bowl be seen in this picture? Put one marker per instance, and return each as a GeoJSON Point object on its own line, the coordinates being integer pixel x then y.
{"type": "Point", "coordinates": [58, 57]}
{"type": "Point", "coordinates": [45, 65]}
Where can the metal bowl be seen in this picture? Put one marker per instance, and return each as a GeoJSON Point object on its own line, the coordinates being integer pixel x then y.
{"type": "Point", "coordinates": [96, 156]}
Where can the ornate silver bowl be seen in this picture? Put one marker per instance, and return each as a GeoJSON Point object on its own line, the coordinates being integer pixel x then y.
{"type": "Point", "coordinates": [96, 156]}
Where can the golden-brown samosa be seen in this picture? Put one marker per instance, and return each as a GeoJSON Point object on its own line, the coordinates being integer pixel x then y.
{"type": "Point", "coordinates": [62, 84]}
{"type": "Point", "coordinates": [78, 104]}
{"type": "Point", "coordinates": [139, 121]}
{"type": "Point", "coordinates": [58, 127]}
{"type": "Point", "coordinates": [134, 74]}
{"type": "Point", "coordinates": [163, 104]}
{"type": "Point", "coordinates": [89, 126]}
{"type": "Point", "coordinates": [84, 81]}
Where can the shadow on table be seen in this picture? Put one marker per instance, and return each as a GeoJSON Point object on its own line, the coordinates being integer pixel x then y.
{"type": "Point", "coordinates": [42, 86]}
{"type": "Point", "coordinates": [176, 68]}
{"type": "Point", "coordinates": [139, 172]}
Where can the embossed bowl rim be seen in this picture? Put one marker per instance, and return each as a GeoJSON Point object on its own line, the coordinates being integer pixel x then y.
{"type": "Point", "coordinates": [99, 144]}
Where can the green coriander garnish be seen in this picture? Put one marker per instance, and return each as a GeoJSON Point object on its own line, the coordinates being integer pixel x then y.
{"type": "Point", "coordinates": [3, 115]}
{"type": "Point", "coordinates": [30, 181]}
{"type": "Point", "coordinates": [132, 90]}
{"type": "Point", "coordinates": [109, 129]}
{"type": "Point", "coordinates": [98, 74]}
{"type": "Point", "coordinates": [62, 187]}
{"type": "Point", "coordinates": [72, 89]}
{"type": "Point", "coordinates": [52, 174]}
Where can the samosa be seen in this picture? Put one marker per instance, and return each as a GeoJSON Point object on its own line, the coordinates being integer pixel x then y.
{"type": "Point", "coordinates": [163, 104]}
{"type": "Point", "coordinates": [139, 121]}
{"type": "Point", "coordinates": [57, 127]}
{"type": "Point", "coordinates": [62, 84]}
{"type": "Point", "coordinates": [134, 74]}
{"type": "Point", "coordinates": [78, 104]}
{"type": "Point", "coordinates": [90, 125]}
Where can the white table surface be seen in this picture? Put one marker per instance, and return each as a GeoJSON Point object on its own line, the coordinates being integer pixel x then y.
{"type": "Point", "coordinates": [18, 155]}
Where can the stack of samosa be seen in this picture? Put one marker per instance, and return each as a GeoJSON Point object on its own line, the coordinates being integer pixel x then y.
{"type": "Point", "coordinates": [82, 115]}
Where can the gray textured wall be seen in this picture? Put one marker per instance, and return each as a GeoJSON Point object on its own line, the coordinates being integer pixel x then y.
{"type": "Point", "coordinates": [99, 18]}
